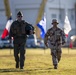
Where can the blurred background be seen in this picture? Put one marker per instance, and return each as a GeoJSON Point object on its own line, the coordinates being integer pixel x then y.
{"type": "Point", "coordinates": [34, 10]}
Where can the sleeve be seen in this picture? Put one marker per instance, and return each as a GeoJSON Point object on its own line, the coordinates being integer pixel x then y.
{"type": "Point", "coordinates": [63, 37]}
{"type": "Point", "coordinates": [11, 31]}
{"type": "Point", "coordinates": [46, 37]}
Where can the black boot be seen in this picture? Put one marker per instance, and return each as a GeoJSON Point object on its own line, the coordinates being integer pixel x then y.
{"type": "Point", "coordinates": [58, 60]}
{"type": "Point", "coordinates": [55, 66]}
{"type": "Point", "coordinates": [17, 65]}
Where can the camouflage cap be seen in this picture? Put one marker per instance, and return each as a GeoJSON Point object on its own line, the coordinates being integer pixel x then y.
{"type": "Point", "coordinates": [54, 21]}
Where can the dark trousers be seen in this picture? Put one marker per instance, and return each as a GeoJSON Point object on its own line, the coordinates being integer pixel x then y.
{"type": "Point", "coordinates": [19, 53]}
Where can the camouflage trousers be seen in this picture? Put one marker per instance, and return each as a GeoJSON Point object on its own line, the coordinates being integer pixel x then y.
{"type": "Point", "coordinates": [56, 53]}
{"type": "Point", "coordinates": [56, 56]}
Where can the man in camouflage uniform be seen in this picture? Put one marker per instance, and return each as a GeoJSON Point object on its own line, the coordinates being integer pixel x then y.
{"type": "Point", "coordinates": [55, 37]}
{"type": "Point", "coordinates": [19, 31]}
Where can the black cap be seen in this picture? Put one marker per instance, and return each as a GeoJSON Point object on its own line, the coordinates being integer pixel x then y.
{"type": "Point", "coordinates": [19, 13]}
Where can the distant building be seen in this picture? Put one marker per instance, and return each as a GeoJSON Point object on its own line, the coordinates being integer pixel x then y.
{"type": "Point", "coordinates": [53, 9]}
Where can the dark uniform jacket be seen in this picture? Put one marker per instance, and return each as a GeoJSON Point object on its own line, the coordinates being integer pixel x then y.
{"type": "Point", "coordinates": [20, 30]}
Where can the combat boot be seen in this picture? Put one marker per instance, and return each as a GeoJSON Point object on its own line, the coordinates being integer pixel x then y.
{"type": "Point", "coordinates": [55, 66]}
{"type": "Point", "coordinates": [17, 65]}
{"type": "Point", "coordinates": [21, 67]}
{"type": "Point", "coordinates": [58, 60]}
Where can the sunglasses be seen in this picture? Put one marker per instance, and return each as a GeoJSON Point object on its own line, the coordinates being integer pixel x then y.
{"type": "Point", "coordinates": [19, 16]}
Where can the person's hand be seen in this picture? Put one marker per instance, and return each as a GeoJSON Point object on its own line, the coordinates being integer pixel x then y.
{"type": "Point", "coordinates": [46, 44]}
{"type": "Point", "coordinates": [10, 41]}
{"type": "Point", "coordinates": [63, 42]}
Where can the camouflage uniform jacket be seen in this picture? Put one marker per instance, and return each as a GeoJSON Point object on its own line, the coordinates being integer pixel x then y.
{"type": "Point", "coordinates": [56, 37]}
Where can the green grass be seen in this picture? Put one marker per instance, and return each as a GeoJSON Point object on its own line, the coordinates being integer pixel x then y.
{"type": "Point", "coordinates": [38, 62]}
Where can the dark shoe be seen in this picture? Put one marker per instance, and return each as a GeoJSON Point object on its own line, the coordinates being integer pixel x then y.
{"type": "Point", "coordinates": [55, 67]}
{"type": "Point", "coordinates": [17, 65]}
{"type": "Point", "coordinates": [58, 60]}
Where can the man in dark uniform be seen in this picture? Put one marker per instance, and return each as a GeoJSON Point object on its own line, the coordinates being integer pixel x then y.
{"type": "Point", "coordinates": [19, 31]}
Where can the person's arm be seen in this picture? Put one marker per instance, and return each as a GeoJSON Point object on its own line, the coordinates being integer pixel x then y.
{"type": "Point", "coordinates": [11, 33]}
{"type": "Point", "coordinates": [63, 38]}
{"type": "Point", "coordinates": [46, 38]}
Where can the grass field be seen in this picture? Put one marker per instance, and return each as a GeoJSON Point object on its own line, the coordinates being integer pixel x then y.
{"type": "Point", "coordinates": [38, 62]}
